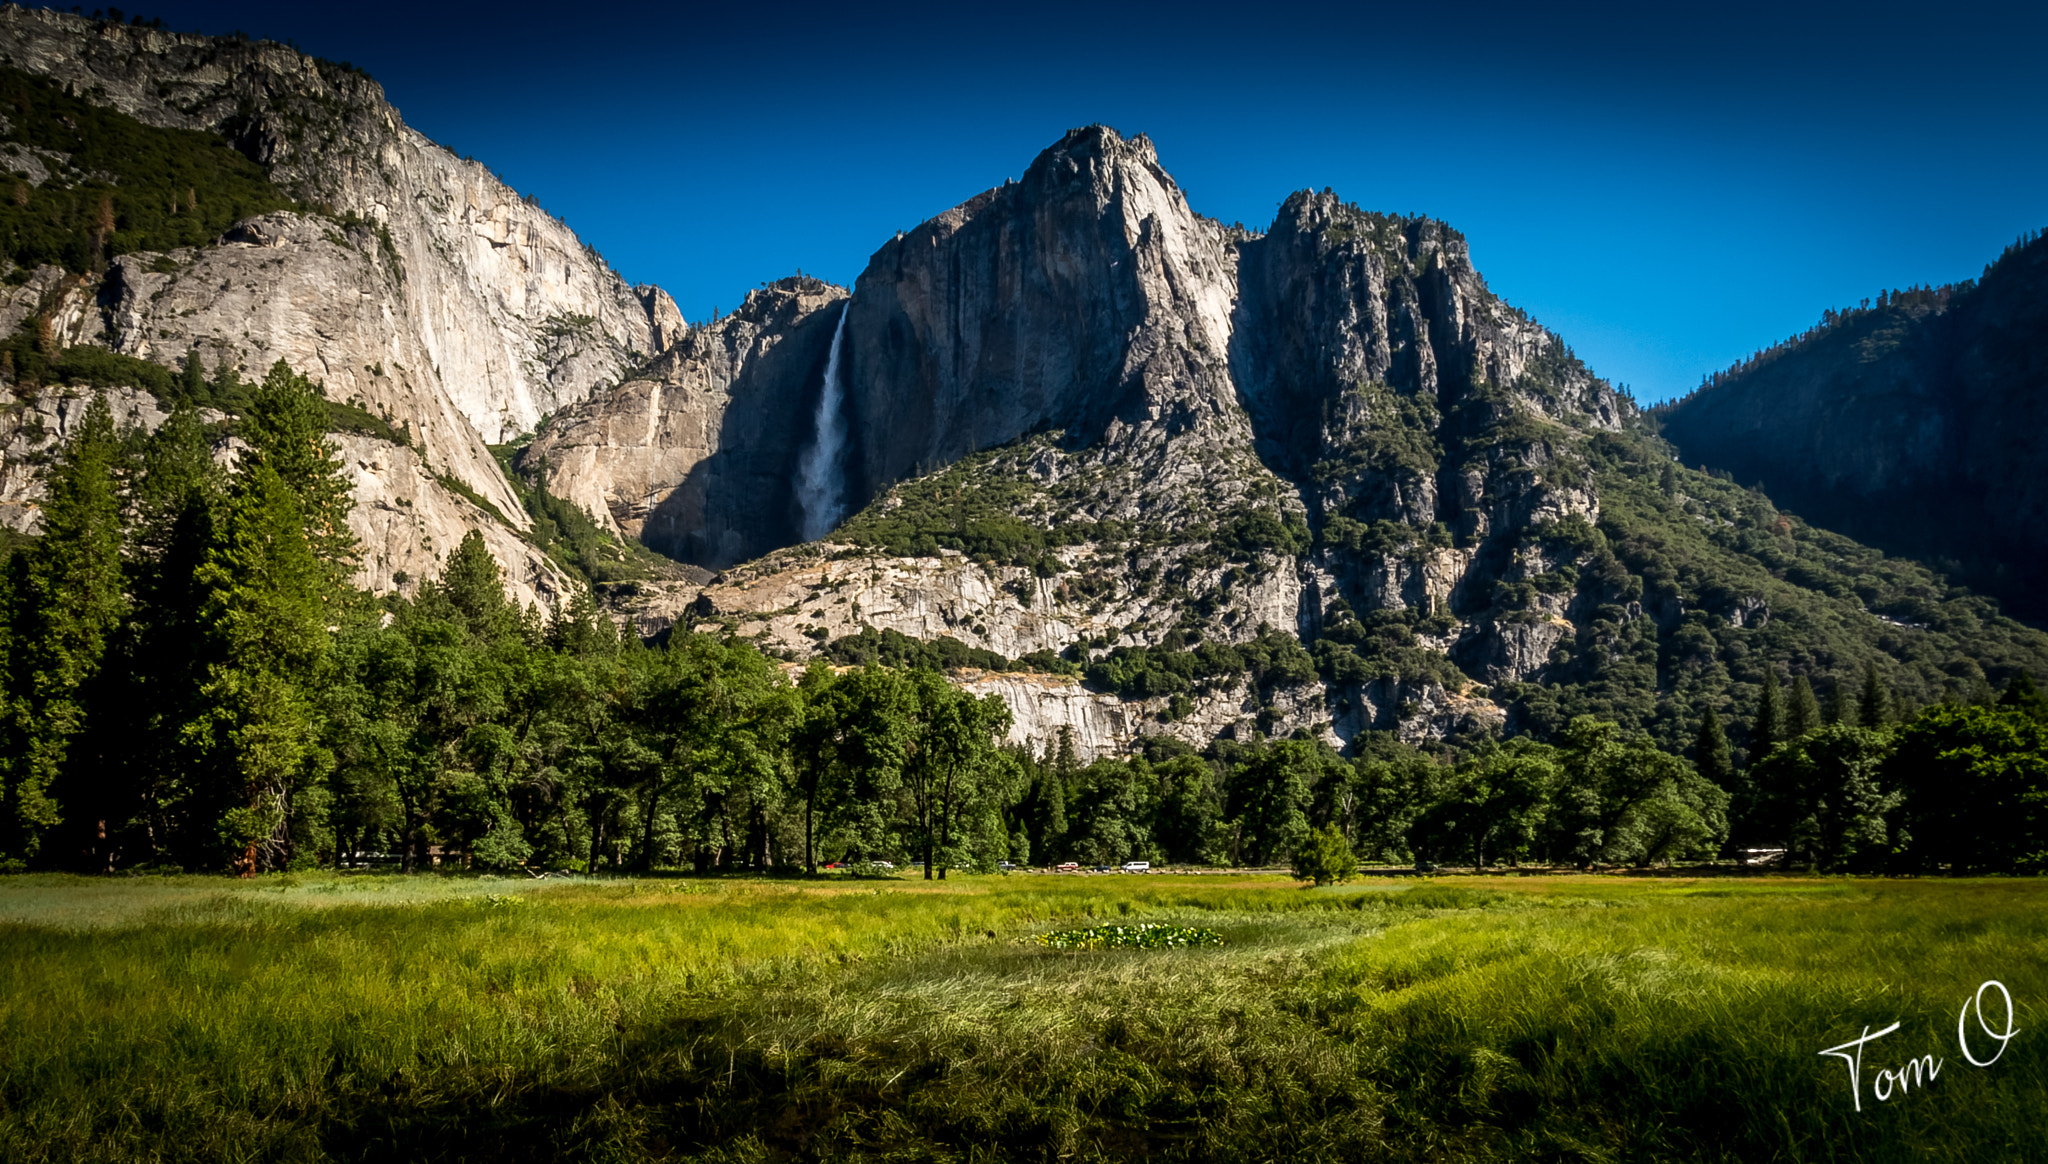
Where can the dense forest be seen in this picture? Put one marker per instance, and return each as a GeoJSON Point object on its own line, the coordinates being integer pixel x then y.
{"type": "Point", "coordinates": [191, 681]}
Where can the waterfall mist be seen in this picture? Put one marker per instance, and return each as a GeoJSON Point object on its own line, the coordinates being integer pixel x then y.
{"type": "Point", "coordinates": [820, 472]}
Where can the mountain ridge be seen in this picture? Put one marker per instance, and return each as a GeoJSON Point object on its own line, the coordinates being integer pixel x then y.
{"type": "Point", "coordinates": [1388, 464]}
{"type": "Point", "coordinates": [1312, 480]}
{"type": "Point", "coordinates": [419, 286]}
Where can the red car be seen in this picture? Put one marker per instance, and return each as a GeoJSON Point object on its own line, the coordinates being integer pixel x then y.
{"type": "Point", "coordinates": [1069, 867]}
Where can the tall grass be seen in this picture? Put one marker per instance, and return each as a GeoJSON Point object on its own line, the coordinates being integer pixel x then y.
{"type": "Point", "coordinates": [1566, 1019]}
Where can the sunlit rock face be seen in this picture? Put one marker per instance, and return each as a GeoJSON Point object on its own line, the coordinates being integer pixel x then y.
{"type": "Point", "coordinates": [1084, 297]}
{"type": "Point", "coordinates": [424, 287]}
{"type": "Point", "coordinates": [1111, 356]}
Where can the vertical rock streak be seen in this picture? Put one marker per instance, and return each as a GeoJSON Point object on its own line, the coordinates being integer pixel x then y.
{"type": "Point", "coordinates": [821, 478]}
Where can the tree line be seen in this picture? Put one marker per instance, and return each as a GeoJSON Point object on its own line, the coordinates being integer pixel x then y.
{"type": "Point", "coordinates": [191, 680]}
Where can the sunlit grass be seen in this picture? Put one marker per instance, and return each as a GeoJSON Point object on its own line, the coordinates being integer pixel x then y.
{"type": "Point", "coordinates": [1498, 1018]}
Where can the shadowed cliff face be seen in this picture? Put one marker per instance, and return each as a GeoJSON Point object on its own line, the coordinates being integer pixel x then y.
{"type": "Point", "coordinates": [1364, 342]}
{"type": "Point", "coordinates": [1913, 426]}
{"type": "Point", "coordinates": [697, 455]}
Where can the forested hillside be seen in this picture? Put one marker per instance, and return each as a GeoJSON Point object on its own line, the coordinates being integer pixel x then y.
{"type": "Point", "coordinates": [1907, 422]}
{"type": "Point", "coordinates": [191, 681]}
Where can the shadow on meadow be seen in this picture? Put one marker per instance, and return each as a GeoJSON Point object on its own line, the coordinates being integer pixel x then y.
{"type": "Point", "coordinates": [1441, 1023]}
{"type": "Point", "coordinates": [1520, 1019]}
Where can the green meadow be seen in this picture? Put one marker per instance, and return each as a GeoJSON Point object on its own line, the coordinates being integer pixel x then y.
{"type": "Point", "coordinates": [1456, 1019]}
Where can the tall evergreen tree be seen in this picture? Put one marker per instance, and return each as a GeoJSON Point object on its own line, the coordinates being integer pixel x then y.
{"type": "Point", "coordinates": [1802, 711]}
{"type": "Point", "coordinates": [1874, 705]}
{"type": "Point", "coordinates": [1711, 755]}
{"type": "Point", "coordinates": [1769, 725]}
{"type": "Point", "coordinates": [286, 427]}
{"type": "Point", "coordinates": [473, 587]}
{"type": "Point", "coordinates": [65, 602]}
{"type": "Point", "coordinates": [178, 503]}
{"type": "Point", "coordinates": [266, 612]}
{"type": "Point", "coordinates": [1839, 708]}
{"type": "Point", "coordinates": [192, 380]}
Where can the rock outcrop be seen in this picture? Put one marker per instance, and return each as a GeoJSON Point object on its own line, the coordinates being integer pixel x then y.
{"type": "Point", "coordinates": [422, 286]}
{"type": "Point", "coordinates": [406, 520]}
{"type": "Point", "coordinates": [696, 455]}
{"type": "Point", "coordinates": [1086, 298]}
{"type": "Point", "coordinates": [1207, 403]}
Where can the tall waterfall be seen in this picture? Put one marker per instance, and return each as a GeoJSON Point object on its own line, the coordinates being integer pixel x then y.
{"type": "Point", "coordinates": [821, 471]}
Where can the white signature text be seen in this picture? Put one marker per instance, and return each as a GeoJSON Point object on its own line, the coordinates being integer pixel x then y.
{"type": "Point", "coordinates": [1918, 1073]}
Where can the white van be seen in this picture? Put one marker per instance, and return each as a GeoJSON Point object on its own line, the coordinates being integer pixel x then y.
{"type": "Point", "coordinates": [1137, 866]}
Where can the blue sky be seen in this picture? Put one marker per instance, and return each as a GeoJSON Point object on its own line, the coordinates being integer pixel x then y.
{"type": "Point", "coordinates": [1669, 187]}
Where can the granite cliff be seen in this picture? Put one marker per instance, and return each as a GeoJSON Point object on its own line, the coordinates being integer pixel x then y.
{"type": "Point", "coordinates": [1102, 436]}
{"type": "Point", "coordinates": [1148, 474]}
{"type": "Point", "coordinates": [413, 282]}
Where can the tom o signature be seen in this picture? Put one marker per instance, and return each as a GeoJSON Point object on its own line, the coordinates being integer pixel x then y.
{"type": "Point", "coordinates": [1992, 1029]}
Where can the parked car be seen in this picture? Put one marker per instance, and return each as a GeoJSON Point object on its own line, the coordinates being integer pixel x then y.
{"type": "Point", "coordinates": [1137, 866]}
{"type": "Point", "coordinates": [1102, 869]}
{"type": "Point", "coordinates": [1067, 867]}
{"type": "Point", "coordinates": [1006, 866]}
{"type": "Point", "coordinates": [889, 865]}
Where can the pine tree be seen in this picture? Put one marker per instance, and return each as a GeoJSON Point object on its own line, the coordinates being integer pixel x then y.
{"type": "Point", "coordinates": [1711, 754]}
{"type": "Point", "coordinates": [65, 602]}
{"type": "Point", "coordinates": [228, 391]}
{"type": "Point", "coordinates": [1769, 725]}
{"type": "Point", "coordinates": [192, 381]}
{"type": "Point", "coordinates": [1874, 708]}
{"type": "Point", "coordinates": [474, 588]}
{"type": "Point", "coordinates": [178, 506]}
{"type": "Point", "coordinates": [286, 427]}
{"type": "Point", "coordinates": [1840, 708]}
{"type": "Point", "coordinates": [266, 614]}
{"type": "Point", "coordinates": [1802, 711]}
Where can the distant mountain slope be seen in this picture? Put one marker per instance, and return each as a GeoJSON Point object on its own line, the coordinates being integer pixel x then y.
{"type": "Point", "coordinates": [1914, 425]}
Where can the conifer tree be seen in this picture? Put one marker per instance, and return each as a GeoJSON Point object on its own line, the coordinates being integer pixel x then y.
{"type": "Point", "coordinates": [192, 380]}
{"type": "Point", "coordinates": [65, 601]}
{"type": "Point", "coordinates": [474, 588]}
{"type": "Point", "coordinates": [1874, 706]}
{"type": "Point", "coordinates": [1840, 708]}
{"type": "Point", "coordinates": [178, 503]}
{"type": "Point", "coordinates": [1711, 754]}
{"type": "Point", "coordinates": [1769, 725]}
{"type": "Point", "coordinates": [266, 613]}
{"type": "Point", "coordinates": [286, 427]}
{"type": "Point", "coordinates": [1802, 711]}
